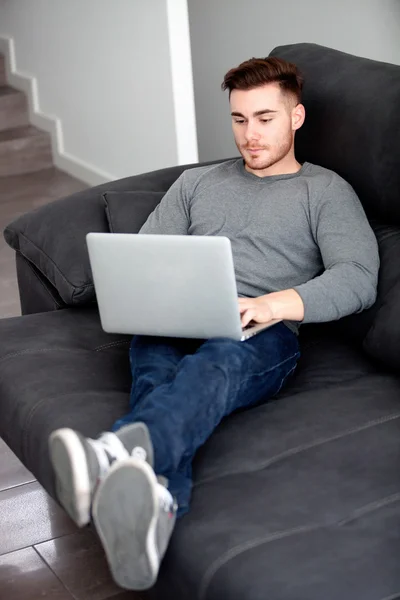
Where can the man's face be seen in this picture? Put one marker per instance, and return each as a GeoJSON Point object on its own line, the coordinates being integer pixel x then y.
{"type": "Point", "coordinates": [263, 122]}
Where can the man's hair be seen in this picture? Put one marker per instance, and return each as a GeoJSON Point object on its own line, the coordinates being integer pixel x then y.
{"type": "Point", "coordinates": [260, 71]}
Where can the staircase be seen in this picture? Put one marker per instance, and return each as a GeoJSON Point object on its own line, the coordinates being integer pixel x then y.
{"type": "Point", "coordinates": [28, 179]}
{"type": "Point", "coordinates": [23, 148]}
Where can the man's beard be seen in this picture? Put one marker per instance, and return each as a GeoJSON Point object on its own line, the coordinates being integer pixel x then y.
{"type": "Point", "coordinates": [266, 158]}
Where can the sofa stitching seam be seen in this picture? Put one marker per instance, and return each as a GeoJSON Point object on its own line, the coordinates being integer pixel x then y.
{"type": "Point", "coordinates": [394, 596]}
{"type": "Point", "coordinates": [57, 268]}
{"type": "Point", "coordinates": [111, 344]}
{"type": "Point", "coordinates": [55, 302]}
{"type": "Point", "coordinates": [31, 414]}
{"type": "Point", "coordinates": [249, 545]}
{"type": "Point", "coordinates": [34, 350]}
{"type": "Point", "coordinates": [368, 508]}
{"type": "Point", "coordinates": [302, 448]}
{"type": "Point", "coordinates": [31, 351]}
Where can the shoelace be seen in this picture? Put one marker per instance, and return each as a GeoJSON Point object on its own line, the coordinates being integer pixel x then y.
{"type": "Point", "coordinates": [165, 498]}
{"type": "Point", "coordinates": [108, 447]}
{"type": "Point", "coordinates": [139, 453]}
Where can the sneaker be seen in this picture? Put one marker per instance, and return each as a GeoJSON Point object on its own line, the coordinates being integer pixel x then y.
{"type": "Point", "coordinates": [134, 515]}
{"type": "Point", "coordinates": [79, 463]}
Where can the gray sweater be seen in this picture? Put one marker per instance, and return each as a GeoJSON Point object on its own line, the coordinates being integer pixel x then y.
{"type": "Point", "coordinates": [306, 231]}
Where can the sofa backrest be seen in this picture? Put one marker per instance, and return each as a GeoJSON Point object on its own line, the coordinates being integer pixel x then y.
{"type": "Point", "coordinates": [352, 126]}
{"type": "Point", "coordinates": [352, 123]}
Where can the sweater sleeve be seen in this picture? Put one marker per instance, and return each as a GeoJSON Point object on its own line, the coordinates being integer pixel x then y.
{"type": "Point", "coordinates": [171, 216]}
{"type": "Point", "coordinates": [349, 253]}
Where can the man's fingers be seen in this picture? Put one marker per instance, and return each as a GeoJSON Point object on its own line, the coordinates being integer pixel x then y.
{"type": "Point", "coordinates": [248, 310]}
{"type": "Point", "coordinates": [247, 317]}
{"type": "Point", "coordinates": [245, 304]}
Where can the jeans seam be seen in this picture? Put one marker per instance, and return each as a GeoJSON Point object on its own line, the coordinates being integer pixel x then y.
{"type": "Point", "coordinates": [269, 370]}
{"type": "Point", "coordinates": [285, 378]}
{"type": "Point", "coordinates": [210, 407]}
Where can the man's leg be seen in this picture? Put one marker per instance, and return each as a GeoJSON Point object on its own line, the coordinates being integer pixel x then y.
{"type": "Point", "coordinates": [220, 377]}
{"type": "Point", "coordinates": [80, 462]}
{"type": "Point", "coordinates": [133, 512]}
{"type": "Point", "coordinates": [135, 515]}
{"type": "Point", "coordinates": [154, 361]}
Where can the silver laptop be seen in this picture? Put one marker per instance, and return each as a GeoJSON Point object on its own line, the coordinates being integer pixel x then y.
{"type": "Point", "coordinates": [167, 285]}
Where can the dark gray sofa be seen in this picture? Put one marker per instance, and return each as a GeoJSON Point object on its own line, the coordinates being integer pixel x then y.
{"type": "Point", "coordinates": [298, 499]}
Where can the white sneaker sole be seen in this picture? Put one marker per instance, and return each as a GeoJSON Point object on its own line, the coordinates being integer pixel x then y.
{"type": "Point", "coordinates": [125, 512]}
{"type": "Point", "coordinates": [72, 476]}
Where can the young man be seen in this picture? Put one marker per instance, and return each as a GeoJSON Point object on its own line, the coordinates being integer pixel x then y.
{"type": "Point", "coordinates": [303, 252]}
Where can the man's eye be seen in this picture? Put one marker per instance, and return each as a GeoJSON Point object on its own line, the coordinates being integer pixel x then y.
{"type": "Point", "coordinates": [266, 120]}
{"type": "Point", "coordinates": [239, 121]}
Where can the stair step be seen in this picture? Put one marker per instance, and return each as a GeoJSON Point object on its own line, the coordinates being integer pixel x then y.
{"type": "Point", "coordinates": [13, 108]}
{"type": "Point", "coordinates": [2, 70]}
{"type": "Point", "coordinates": [24, 150]}
{"type": "Point", "coordinates": [17, 133]}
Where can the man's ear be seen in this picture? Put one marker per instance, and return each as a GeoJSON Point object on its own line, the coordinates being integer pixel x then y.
{"type": "Point", "coordinates": [298, 116]}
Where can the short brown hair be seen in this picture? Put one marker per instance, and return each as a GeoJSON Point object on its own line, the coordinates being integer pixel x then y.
{"type": "Point", "coordinates": [260, 71]}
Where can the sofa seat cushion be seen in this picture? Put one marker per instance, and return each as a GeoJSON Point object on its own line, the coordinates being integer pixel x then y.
{"type": "Point", "coordinates": [299, 498]}
{"type": "Point", "coordinates": [56, 369]}
{"type": "Point", "coordinates": [311, 478]}
{"type": "Point", "coordinates": [61, 369]}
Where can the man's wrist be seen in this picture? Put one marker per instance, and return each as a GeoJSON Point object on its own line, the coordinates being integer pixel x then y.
{"type": "Point", "coordinates": [286, 305]}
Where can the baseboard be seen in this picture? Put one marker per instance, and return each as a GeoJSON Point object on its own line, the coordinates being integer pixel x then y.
{"type": "Point", "coordinates": [50, 123]}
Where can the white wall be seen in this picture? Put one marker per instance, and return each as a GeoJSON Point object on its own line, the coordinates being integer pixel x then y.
{"type": "Point", "coordinates": [104, 69]}
{"type": "Point", "coordinates": [224, 33]}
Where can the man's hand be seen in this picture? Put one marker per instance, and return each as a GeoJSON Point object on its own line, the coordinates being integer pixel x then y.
{"type": "Point", "coordinates": [255, 309]}
{"type": "Point", "coordinates": [286, 304]}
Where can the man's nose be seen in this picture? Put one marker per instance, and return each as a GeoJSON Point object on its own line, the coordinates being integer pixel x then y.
{"type": "Point", "coordinates": [252, 132]}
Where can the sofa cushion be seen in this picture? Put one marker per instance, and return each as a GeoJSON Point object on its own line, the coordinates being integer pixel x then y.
{"type": "Point", "coordinates": [128, 211]}
{"type": "Point", "coordinates": [378, 328]}
{"type": "Point", "coordinates": [271, 486]}
{"type": "Point", "coordinates": [53, 237]}
{"type": "Point", "coordinates": [382, 341]}
{"type": "Point", "coordinates": [70, 363]}
{"type": "Point", "coordinates": [353, 122]}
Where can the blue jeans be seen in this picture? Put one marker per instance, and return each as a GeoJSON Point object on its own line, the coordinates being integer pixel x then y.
{"type": "Point", "coordinates": [183, 388]}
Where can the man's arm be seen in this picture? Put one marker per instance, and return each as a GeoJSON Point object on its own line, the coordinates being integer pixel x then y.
{"type": "Point", "coordinates": [171, 216]}
{"type": "Point", "coordinates": [349, 252]}
{"type": "Point", "coordinates": [286, 305]}
{"type": "Point", "coordinates": [350, 255]}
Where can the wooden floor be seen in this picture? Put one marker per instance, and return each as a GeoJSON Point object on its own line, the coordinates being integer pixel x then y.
{"type": "Point", "coordinates": [42, 553]}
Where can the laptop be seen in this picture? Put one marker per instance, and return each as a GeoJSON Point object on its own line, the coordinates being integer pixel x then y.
{"type": "Point", "coordinates": [167, 285]}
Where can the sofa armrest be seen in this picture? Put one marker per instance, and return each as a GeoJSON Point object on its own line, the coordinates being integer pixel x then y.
{"type": "Point", "coordinates": [52, 239]}
{"type": "Point", "coordinates": [36, 293]}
